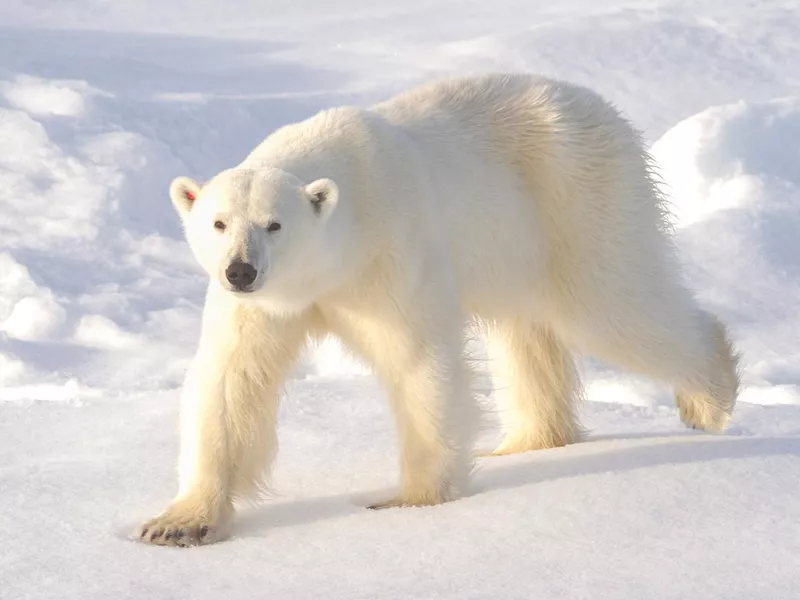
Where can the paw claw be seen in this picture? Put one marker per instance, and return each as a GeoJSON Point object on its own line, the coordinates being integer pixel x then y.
{"type": "Point", "coordinates": [182, 528]}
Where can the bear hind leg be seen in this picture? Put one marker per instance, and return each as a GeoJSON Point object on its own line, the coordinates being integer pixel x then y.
{"type": "Point", "coordinates": [537, 385]}
{"type": "Point", "coordinates": [706, 401]}
{"type": "Point", "coordinates": [669, 338]}
{"type": "Point", "coordinates": [422, 365]}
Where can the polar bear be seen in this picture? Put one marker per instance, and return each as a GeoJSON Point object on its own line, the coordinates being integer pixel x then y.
{"type": "Point", "coordinates": [523, 204]}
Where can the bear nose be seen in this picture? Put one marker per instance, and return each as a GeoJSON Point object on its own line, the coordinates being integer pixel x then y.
{"type": "Point", "coordinates": [240, 274]}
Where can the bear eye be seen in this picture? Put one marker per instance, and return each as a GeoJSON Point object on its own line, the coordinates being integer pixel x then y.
{"type": "Point", "coordinates": [274, 226]}
{"type": "Point", "coordinates": [219, 225]}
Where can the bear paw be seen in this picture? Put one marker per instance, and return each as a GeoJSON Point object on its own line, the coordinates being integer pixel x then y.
{"type": "Point", "coordinates": [519, 444]}
{"type": "Point", "coordinates": [431, 498]}
{"type": "Point", "coordinates": [183, 528]}
{"type": "Point", "coordinates": [702, 412]}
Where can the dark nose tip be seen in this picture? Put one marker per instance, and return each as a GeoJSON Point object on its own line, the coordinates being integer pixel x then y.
{"type": "Point", "coordinates": [240, 274]}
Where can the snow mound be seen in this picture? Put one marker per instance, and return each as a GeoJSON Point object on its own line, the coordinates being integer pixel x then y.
{"type": "Point", "coordinates": [91, 258]}
{"type": "Point", "coordinates": [46, 98]}
{"type": "Point", "coordinates": [732, 176]}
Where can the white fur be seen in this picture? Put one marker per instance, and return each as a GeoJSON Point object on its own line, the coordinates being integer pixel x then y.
{"type": "Point", "coordinates": [524, 204]}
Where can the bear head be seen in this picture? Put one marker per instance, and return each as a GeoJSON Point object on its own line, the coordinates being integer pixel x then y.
{"type": "Point", "coordinates": [259, 234]}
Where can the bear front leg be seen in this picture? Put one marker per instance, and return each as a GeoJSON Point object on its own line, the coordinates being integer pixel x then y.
{"type": "Point", "coordinates": [228, 422]}
{"type": "Point", "coordinates": [202, 511]}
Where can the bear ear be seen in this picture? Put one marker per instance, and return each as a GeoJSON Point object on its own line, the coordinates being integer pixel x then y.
{"type": "Point", "coordinates": [183, 192]}
{"type": "Point", "coordinates": [323, 194]}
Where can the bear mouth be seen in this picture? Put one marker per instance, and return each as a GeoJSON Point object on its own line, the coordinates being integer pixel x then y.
{"type": "Point", "coordinates": [241, 291]}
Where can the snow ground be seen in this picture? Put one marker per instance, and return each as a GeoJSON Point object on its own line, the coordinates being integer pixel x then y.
{"type": "Point", "coordinates": [102, 103]}
{"type": "Point", "coordinates": [644, 510]}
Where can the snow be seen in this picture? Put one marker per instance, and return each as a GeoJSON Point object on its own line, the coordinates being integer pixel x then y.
{"type": "Point", "coordinates": [43, 98]}
{"type": "Point", "coordinates": [102, 103]}
{"type": "Point", "coordinates": [644, 510]}
{"type": "Point", "coordinates": [732, 176]}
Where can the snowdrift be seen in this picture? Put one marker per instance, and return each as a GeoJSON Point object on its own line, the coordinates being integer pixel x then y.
{"type": "Point", "coordinates": [732, 178]}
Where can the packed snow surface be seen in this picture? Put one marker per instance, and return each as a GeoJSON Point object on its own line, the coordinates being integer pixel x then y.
{"type": "Point", "coordinates": [103, 103]}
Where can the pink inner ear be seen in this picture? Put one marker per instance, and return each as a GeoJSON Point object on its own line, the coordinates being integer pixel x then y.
{"type": "Point", "coordinates": [189, 196]}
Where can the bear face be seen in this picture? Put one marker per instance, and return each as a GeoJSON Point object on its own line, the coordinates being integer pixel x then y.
{"type": "Point", "coordinates": [257, 232]}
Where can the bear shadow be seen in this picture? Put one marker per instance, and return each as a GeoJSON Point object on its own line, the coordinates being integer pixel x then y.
{"type": "Point", "coordinates": [653, 452]}
{"type": "Point", "coordinates": [495, 473]}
